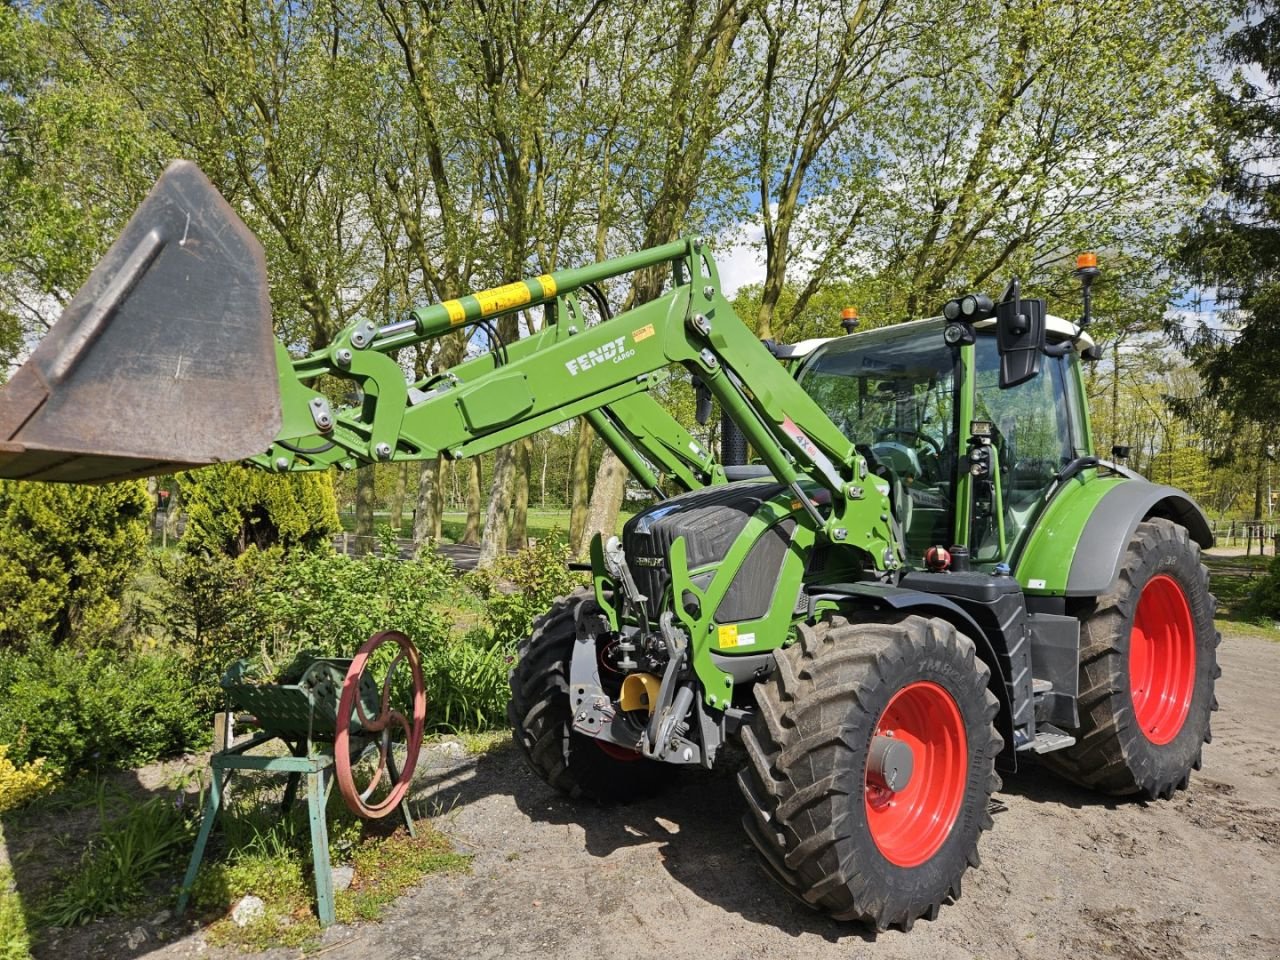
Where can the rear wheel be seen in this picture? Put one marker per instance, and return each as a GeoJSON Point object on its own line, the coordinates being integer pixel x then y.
{"type": "Point", "coordinates": [871, 763]}
{"type": "Point", "coordinates": [541, 718]}
{"type": "Point", "coordinates": [1148, 662]}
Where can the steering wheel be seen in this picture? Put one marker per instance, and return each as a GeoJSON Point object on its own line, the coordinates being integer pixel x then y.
{"type": "Point", "coordinates": [883, 432]}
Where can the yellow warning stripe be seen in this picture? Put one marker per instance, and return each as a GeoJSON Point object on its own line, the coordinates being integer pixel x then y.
{"type": "Point", "coordinates": [500, 299]}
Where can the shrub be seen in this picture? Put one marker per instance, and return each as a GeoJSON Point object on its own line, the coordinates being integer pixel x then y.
{"type": "Point", "coordinates": [21, 784]}
{"type": "Point", "coordinates": [517, 589]}
{"type": "Point", "coordinates": [231, 508]}
{"type": "Point", "coordinates": [94, 708]}
{"type": "Point", "coordinates": [1264, 600]}
{"type": "Point", "coordinates": [67, 552]}
{"type": "Point", "coordinates": [269, 604]}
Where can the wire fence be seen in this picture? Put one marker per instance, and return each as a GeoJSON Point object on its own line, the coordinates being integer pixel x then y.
{"type": "Point", "coordinates": [1250, 534]}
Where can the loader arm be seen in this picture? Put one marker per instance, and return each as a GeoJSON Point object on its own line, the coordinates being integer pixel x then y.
{"type": "Point", "coordinates": [605, 372]}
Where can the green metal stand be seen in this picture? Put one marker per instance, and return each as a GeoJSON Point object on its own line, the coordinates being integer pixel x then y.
{"type": "Point", "coordinates": [304, 716]}
{"type": "Point", "coordinates": [316, 768]}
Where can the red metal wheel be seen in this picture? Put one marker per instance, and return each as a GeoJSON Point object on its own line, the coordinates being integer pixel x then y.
{"type": "Point", "coordinates": [1162, 659]}
{"type": "Point", "coordinates": [354, 721]}
{"type": "Point", "coordinates": [910, 824]}
{"type": "Point", "coordinates": [618, 753]}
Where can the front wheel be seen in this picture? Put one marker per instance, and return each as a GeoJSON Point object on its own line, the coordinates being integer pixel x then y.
{"type": "Point", "coordinates": [541, 719]}
{"type": "Point", "coordinates": [1148, 662]}
{"type": "Point", "coordinates": [871, 761]}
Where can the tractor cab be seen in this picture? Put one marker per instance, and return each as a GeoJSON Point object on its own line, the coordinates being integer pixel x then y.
{"type": "Point", "coordinates": [969, 461]}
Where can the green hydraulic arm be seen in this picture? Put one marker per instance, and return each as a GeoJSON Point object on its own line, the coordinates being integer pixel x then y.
{"type": "Point", "coordinates": [605, 372]}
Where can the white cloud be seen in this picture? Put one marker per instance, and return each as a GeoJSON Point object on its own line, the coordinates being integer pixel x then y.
{"type": "Point", "coordinates": [739, 257]}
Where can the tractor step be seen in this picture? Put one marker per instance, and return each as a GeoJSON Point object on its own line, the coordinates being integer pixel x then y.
{"type": "Point", "coordinates": [1048, 739]}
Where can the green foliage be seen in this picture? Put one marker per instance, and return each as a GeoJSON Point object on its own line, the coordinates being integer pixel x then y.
{"type": "Point", "coordinates": [1264, 601]}
{"type": "Point", "coordinates": [133, 850]}
{"type": "Point", "coordinates": [518, 588]}
{"type": "Point", "coordinates": [15, 941]}
{"type": "Point", "coordinates": [270, 604]}
{"type": "Point", "coordinates": [269, 856]}
{"type": "Point", "coordinates": [67, 552]}
{"type": "Point", "coordinates": [467, 685]}
{"type": "Point", "coordinates": [232, 508]}
{"type": "Point", "coordinates": [83, 709]}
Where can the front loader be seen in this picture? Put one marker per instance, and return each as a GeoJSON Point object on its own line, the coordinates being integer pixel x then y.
{"type": "Point", "coordinates": [924, 574]}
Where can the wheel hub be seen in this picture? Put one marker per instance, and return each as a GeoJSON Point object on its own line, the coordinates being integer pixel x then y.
{"type": "Point", "coordinates": [889, 763]}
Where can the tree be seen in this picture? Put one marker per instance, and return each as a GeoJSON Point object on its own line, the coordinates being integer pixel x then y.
{"type": "Point", "coordinates": [67, 553]}
{"type": "Point", "coordinates": [1235, 251]}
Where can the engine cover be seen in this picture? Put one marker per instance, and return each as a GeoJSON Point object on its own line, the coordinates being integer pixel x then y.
{"type": "Point", "coordinates": [710, 520]}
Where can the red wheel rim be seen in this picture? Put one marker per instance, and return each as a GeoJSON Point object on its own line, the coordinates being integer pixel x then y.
{"type": "Point", "coordinates": [909, 825]}
{"type": "Point", "coordinates": [617, 752]}
{"type": "Point", "coordinates": [1162, 660]}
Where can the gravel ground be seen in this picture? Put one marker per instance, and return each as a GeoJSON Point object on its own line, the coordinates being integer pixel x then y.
{"type": "Point", "coordinates": [1065, 873]}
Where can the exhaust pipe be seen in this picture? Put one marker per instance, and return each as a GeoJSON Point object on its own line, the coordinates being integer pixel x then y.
{"type": "Point", "coordinates": [165, 358]}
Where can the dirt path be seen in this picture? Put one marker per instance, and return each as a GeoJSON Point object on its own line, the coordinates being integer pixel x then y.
{"type": "Point", "coordinates": [1064, 873]}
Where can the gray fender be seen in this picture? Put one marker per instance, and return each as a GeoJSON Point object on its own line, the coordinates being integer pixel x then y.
{"type": "Point", "coordinates": [1105, 537]}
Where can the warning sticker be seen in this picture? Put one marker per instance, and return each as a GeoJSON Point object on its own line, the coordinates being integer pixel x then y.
{"type": "Point", "coordinates": [503, 298]}
{"type": "Point", "coordinates": [644, 333]}
{"type": "Point", "coordinates": [728, 637]}
{"type": "Point", "coordinates": [548, 284]}
{"type": "Point", "coordinates": [455, 310]}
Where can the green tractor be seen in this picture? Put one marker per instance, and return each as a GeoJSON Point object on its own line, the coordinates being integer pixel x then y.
{"type": "Point", "coordinates": [923, 573]}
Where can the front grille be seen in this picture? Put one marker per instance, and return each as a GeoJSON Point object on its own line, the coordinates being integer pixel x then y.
{"type": "Point", "coordinates": [710, 520]}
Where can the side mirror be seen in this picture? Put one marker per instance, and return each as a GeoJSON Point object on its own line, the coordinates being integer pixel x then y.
{"type": "Point", "coordinates": [1020, 336]}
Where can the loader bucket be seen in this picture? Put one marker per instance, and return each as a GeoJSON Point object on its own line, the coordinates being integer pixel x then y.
{"type": "Point", "coordinates": [164, 360]}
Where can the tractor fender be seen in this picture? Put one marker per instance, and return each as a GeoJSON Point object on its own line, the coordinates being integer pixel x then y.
{"type": "Point", "coordinates": [852, 596]}
{"type": "Point", "coordinates": [1101, 547]}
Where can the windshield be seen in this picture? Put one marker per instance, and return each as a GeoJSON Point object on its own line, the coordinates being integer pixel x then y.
{"type": "Point", "coordinates": [893, 385]}
{"type": "Point", "coordinates": [892, 392]}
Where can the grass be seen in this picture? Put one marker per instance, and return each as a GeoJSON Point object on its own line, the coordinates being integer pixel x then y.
{"type": "Point", "coordinates": [1232, 580]}
{"type": "Point", "coordinates": [385, 868]}
{"type": "Point", "coordinates": [119, 866]}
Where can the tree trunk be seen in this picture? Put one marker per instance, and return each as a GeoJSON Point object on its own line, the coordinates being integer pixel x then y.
{"type": "Point", "coordinates": [364, 510]}
{"type": "Point", "coordinates": [472, 533]}
{"type": "Point", "coordinates": [606, 499]}
{"type": "Point", "coordinates": [520, 506]}
{"type": "Point", "coordinates": [1260, 481]}
{"type": "Point", "coordinates": [494, 542]}
{"type": "Point", "coordinates": [443, 475]}
{"type": "Point", "coordinates": [426, 511]}
{"type": "Point", "coordinates": [580, 478]}
{"type": "Point", "coordinates": [399, 495]}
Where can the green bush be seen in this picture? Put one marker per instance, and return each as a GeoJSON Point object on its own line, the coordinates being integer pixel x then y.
{"type": "Point", "coordinates": [232, 508]}
{"type": "Point", "coordinates": [67, 552]}
{"type": "Point", "coordinates": [1264, 601]}
{"type": "Point", "coordinates": [334, 603]}
{"type": "Point", "coordinates": [269, 604]}
{"type": "Point", "coordinates": [518, 589]}
{"type": "Point", "coordinates": [82, 709]}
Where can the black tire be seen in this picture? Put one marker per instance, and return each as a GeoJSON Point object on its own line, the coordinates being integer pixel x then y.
{"type": "Point", "coordinates": [540, 715]}
{"type": "Point", "coordinates": [806, 778]}
{"type": "Point", "coordinates": [1112, 752]}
